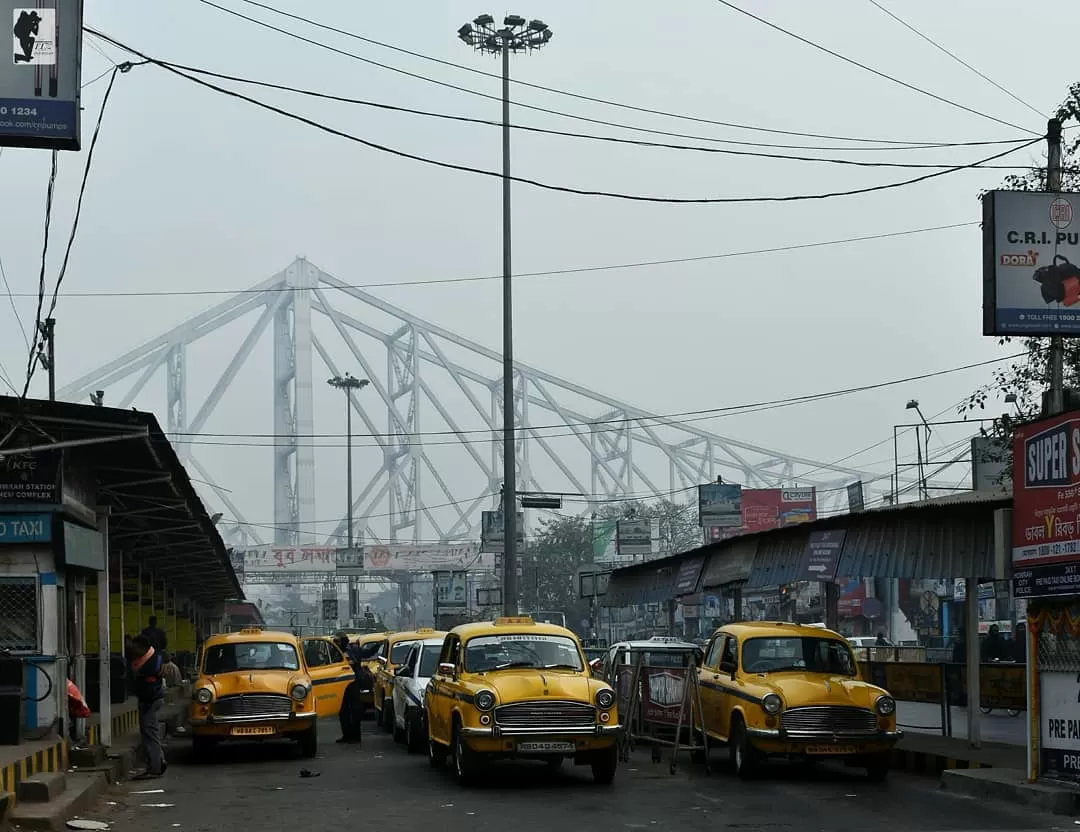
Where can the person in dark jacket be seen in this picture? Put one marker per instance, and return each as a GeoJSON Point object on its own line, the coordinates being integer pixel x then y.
{"type": "Point", "coordinates": [352, 710]}
{"type": "Point", "coordinates": [146, 674]}
{"type": "Point", "coordinates": [155, 635]}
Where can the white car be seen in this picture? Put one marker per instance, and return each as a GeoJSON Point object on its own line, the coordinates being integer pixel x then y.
{"type": "Point", "coordinates": [410, 685]}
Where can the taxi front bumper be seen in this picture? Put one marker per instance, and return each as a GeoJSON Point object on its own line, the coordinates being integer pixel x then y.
{"type": "Point", "coordinates": [779, 735]}
{"type": "Point", "coordinates": [496, 731]}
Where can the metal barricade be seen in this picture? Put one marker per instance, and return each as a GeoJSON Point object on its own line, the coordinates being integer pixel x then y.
{"type": "Point", "coordinates": [660, 704]}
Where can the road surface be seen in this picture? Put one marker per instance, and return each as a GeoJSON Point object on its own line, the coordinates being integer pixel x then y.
{"type": "Point", "coordinates": [997, 726]}
{"type": "Point", "coordinates": [379, 786]}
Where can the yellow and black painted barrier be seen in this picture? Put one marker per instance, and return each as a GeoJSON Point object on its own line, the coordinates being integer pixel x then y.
{"type": "Point", "coordinates": [51, 758]}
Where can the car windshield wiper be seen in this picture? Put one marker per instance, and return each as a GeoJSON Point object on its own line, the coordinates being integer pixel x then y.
{"type": "Point", "coordinates": [561, 667]}
{"type": "Point", "coordinates": [514, 664]}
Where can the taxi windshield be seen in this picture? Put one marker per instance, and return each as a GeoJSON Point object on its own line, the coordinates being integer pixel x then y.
{"type": "Point", "coordinates": [262, 655]}
{"type": "Point", "coordinates": [400, 651]}
{"type": "Point", "coordinates": [429, 660]}
{"type": "Point", "coordinates": [809, 654]}
{"type": "Point", "coordinates": [368, 651]}
{"type": "Point", "coordinates": [547, 652]}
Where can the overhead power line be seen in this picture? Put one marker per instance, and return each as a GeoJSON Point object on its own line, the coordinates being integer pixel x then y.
{"type": "Point", "coordinates": [545, 185]}
{"type": "Point", "coordinates": [955, 57]}
{"type": "Point", "coordinates": [579, 96]}
{"type": "Point", "coordinates": [568, 134]}
{"type": "Point", "coordinates": [701, 258]}
{"type": "Point", "coordinates": [676, 419]}
{"type": "Point", "coordinates": [871, 69]}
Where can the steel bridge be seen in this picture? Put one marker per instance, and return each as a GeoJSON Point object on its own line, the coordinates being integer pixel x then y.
{"type": "Point", "coordinates": [618, 449]}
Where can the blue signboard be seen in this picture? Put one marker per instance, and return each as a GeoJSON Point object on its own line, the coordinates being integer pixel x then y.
{"type": "Point", "coordinates": [25, 528]}
{"type": "Point", "coordinates": [40, 75]}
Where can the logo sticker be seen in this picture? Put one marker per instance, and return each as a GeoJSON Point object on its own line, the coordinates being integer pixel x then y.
{"type": "Point", "coordinates": [34, 32]}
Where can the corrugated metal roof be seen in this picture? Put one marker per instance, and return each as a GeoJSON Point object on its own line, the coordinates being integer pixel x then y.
{"type": "Point", "coordinates": [927, 545]}
{"type": "Point", "coordinates": [651, 586]}
{"type": "Point", "coordinates": [732, 563]}
{"type": "Point", "coordinates": [779, 559]}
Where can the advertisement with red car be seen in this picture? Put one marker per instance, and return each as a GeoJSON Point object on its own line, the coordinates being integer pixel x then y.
{"type": "Point", "coordinates": [771, 508]}
{"type": "Point", "coordinates": [1046, 507]}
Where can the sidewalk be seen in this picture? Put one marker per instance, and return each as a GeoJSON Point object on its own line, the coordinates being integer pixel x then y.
{"type": "Point", "coordinates": [930, 754]}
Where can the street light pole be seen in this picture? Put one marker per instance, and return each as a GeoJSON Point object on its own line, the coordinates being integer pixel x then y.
{"type": "Point", "coordinates": [517, 35]}
{"type": "Point", "coordinates": [348, 383]}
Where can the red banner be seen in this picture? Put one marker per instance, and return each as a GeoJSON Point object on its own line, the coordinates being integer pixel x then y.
{"type": "Point", "coordinates": [852, 593]}
{"type": "Point", "coordinates": [663, 691]}
{"type": "Point", "coordinates": [1046, 505]}
{"type": "Point", "coordinates": [770, 508]}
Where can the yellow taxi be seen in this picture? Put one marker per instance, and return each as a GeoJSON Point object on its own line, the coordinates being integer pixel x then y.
{"type": "Point", "coordinates": [517, 688]}
{"type": "Point", "coordinates": [390, 656]}
{"type": "Point", "coordinates": [259, 684]}
{"type": "Point", "coordinates": [778, 689]}
{"type": "Point", "coordinates": [368, 647]}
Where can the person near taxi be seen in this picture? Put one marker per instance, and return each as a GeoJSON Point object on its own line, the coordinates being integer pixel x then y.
{"type": "Point", "coordinates": [352, 709]}
{"type": "Point", "coordinates": [149, 688]}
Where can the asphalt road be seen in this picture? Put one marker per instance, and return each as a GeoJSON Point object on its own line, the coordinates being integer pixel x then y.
{"type": "Point", "coordinates": [379, 786]}
{"type": "Point", "coordinates": [996, 726]}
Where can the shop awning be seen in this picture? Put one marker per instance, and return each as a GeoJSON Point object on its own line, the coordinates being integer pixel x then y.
{"type": "Point", "coordinates": [731, 564]}
{"type": "Point", "coordinates": [779, 558]}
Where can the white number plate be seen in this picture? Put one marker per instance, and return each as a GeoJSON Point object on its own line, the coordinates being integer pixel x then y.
{"type": "Point", "coordinates": [545, 747]}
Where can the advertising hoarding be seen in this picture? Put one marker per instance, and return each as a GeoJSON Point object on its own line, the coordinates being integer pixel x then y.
{"type": "Point", "coordinates": [451, 589]}
{"type": "Point", "coordinates": [26, 528]}
{"type": "Point", "coordinates": [289, 559]}
{"type": "Point", "coordinates": [770, 508]}
{"type": "Point", "coordinates": [1046, 531]}
{"type": "Point", "coordinates": [421, 557]}
{"type": "Point", "coordinates": [635, 537]}
{"type": "Point", "coordinates": [823, 555]}
{"type": "Point", "coordinates": [40, 83]}
{"type": "Point", "coordinates": [493, 532]}
{"type": "Point", "coordinates": [719, 505]}
{"type": "Point", "coordinates": [851, 596]}
{"type": "Point", "coordinates": [1031, 241]}
{"type": "Point", "coordinates": [856, 500]}
{"type": "Point", "coordinates": [989, 461]}
{"type": "Point", "coordinates": [1058, 728]}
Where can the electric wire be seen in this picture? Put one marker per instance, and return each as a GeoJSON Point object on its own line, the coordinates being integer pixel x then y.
{"type": "Point", "coordinates": [870, 69]}
{"type": "Point", "coordinates": [568, 134]}
{"type": "Point", "coordinates": [670, 419]}
{"type": "Point", "coordinates": [553, 90]}
{"type": "Point", "coordinates": [562, 188]}
{"type": "Point", "coordinates": [527, 275]}
{"type": "Point", "coordinates": [32, 358]}
{"type": "Point", "coordinates": [956, 58]}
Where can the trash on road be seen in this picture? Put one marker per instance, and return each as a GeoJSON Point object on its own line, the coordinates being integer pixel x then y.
{"type": "Point", "coordinates": [308, 773]}
{"type": "Point", "coordinates": [80, 823]}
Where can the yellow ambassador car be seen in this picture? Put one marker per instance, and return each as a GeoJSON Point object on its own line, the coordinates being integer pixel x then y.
{"type": "Point", "coordinates": [260, 684]}
{"type": "Point", "coordinates": [516, 688]}
{"type": "Point", "coordinates": [392, 653]}
{"type": "Point", "coordinates": [777, 689]}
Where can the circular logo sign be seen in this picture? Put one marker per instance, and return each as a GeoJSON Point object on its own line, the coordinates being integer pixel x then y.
{"type": "Point", "coordinates": [378, 557]}
{"type": "Point", "coordinates": [1061, 213]}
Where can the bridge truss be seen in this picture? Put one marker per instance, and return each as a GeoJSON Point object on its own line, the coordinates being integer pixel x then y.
{"type": "Point", "coordinates": [611, 449]}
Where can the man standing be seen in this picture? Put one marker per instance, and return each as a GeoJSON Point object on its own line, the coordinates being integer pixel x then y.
{"type": "Point", "coordinates": [150, 692]}
{"type": "Point", "coordinates": [155, 635]}
{"type": "Point", "coordinates": [352, 710]}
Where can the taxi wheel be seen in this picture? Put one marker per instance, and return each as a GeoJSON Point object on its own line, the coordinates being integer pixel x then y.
{"type": "Point", "coordinates": [309, 742]}
{"type": "Point", "coordinates": [399, 733]}
{"type": "Point", "coordinates": [436, 754]}
{"type": "Point", "coordinates": [387, 713]}
{"type": "Point", "coordinates": [877, 769]}
{"type": "Point", "coordinates": [744, 757]}
{"type": "Point", "coordinates": [604, 765]}
{"type": "Point", "coordinates": [465, 761]}
{"type": "Point", "coordinates": [202, 748]}
{"type": "Point", "coordinates": [414, 732]}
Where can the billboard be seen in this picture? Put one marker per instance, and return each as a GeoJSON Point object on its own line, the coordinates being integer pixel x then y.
{"type": "Point", "coordinates": [1031, 241]}
{"type": "Point", "coordinates": [1046, 526]}
{"type": "Point", "coordinates": [855, 497]}
{"type": "Point", "coordinates": [39, 85]}
{"type": "Point", "coordinates": [989, 461]}
{"type": "Point", "coordinates": [493, 531]}
{"type": "Point", "coordinates": [822, 556]}
{"type": "Point", "coordinates": [451, 589]}
{"type": "Point", "coordinates": [421, 557]}
{"type": "Point", "coordinates": [719, 505]}
{"type": "Point", "coordinates": [635, 537]}
{"type": "Point", "coordinates": [289, 559]}
{"type": "Point", "coordinates": [770, 508]}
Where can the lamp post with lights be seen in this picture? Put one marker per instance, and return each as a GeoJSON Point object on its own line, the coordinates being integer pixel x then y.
{"type": "Point", "coordinates": [516, 35]}
{"type": "Point", "coordinates": [348, 383]}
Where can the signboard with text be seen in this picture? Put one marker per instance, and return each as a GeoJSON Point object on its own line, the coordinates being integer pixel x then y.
{"type": "Point", "coordinates": [720, 505]}
{"type": "Point", "coordinates": [290, 559]}
{"type": "Point", "coordinates": [635, 537]}
{"type": "Point", "coordinates": [493, 532]}
{"type": "Point", "coordinates": [29, 477]}
{"type": "Point", "coordinates": [1031, 263]}
{"type": "Point", "coordinates": [26, 528]}
{"type": "Point", "coordinates": [1059, 727]}
{"type": "Point", "coordinates": [822, 555]}
{"type": "Point", "coordinates": [762, 509]}
{"type": "Point", "coordinates": [1046, 505]}
{"type": "Point", "coordinates": [421, 557]}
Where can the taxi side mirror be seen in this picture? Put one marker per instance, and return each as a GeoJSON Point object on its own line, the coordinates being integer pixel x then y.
{"type": "Point", "coordinates": [447, 669]}
{"type": "Point", "coordinates": [381, 660]}
{"type": "Point", "coordinates": [728, 667]}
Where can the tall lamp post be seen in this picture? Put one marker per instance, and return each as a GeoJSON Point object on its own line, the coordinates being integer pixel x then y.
{"type": "Point", "coordinates": [348, 383]}
{"type": "Point", "coordinates": [516, 35]}
{"type": "Point", "coordinates": [914, 405]}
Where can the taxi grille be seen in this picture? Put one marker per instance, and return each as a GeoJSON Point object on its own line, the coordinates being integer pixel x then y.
{"type": "Point", "coordinates": [253, 704]}
{"type": "Point", "coordinates": [545, 715]}
{"type": "Point", "coordinates": [829, 719]}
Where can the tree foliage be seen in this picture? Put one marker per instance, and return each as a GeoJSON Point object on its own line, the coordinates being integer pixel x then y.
{"type": "Point", "coordinates": [1028, 376]}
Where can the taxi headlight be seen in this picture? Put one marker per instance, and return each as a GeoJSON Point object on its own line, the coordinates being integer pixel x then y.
{"type": "Point", "coordinates": [299, 692]}
{"type": "Point", "coordinates": [605, 698]}
{"type": "Point", "coordinates": [772, 704]}
{"type": "Point", "coordinates": [203, 696]}
{"type": "Point", "coordinates": [886, 705]}
{"type": "Point", "coordinates": [484, 700]}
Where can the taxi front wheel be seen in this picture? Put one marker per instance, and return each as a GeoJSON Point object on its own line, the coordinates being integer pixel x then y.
{"type": "Point", "coordinates": [309, 741]}
{"type": "Point", "coordinates": [466, 760]}
{"type": "Point", "coordinates": [877, 767]}
{"type": "Point", "coordinates": [604, 765]}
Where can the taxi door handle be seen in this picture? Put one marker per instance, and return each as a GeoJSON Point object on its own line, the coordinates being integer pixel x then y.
{"type": "Point", "coordinates": [716, 675]}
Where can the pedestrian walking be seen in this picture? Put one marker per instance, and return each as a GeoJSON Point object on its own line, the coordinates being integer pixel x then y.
{"type": "Point", "coordinates": [150, 692]}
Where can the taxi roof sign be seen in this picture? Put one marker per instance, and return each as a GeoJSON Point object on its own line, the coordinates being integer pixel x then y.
{"type": "Point", "coordinates": [251, 630]}
{"type": "Point", "coordinates": [425, 630]}
{"type": "Point", "coordinates": [513, 619]}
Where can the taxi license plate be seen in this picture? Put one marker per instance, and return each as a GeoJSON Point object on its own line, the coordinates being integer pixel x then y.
{"type": "Point", "coordinates": [545, 747]}
{"type": "Point", "coordinates": [830, 749]}
{"type": "Point", "coordinates": [252, 732]}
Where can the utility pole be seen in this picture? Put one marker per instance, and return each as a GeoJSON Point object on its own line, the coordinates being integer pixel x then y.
{"type": "Point", "coordinates": [47, 353]}
{"type": "Point", "coordinates": [1056, 403]}
{"type": "Point", "coordinates": [517, 35]}
{"type": "Point", "coordinates": [348, 383]}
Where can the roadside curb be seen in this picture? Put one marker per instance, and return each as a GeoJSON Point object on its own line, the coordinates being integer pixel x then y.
{"type": "Point", "coordinates": [930, 763]}
{"type": "Point", "coordinates": [1010, 786]}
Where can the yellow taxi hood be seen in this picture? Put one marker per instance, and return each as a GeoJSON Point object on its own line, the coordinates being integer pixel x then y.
{"type": "Point", "coordinates": [799, 689]}
{"type": "Point", "coordinates": [255, 681]}
{"type": "Point", "coordinates": [523, 685]}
